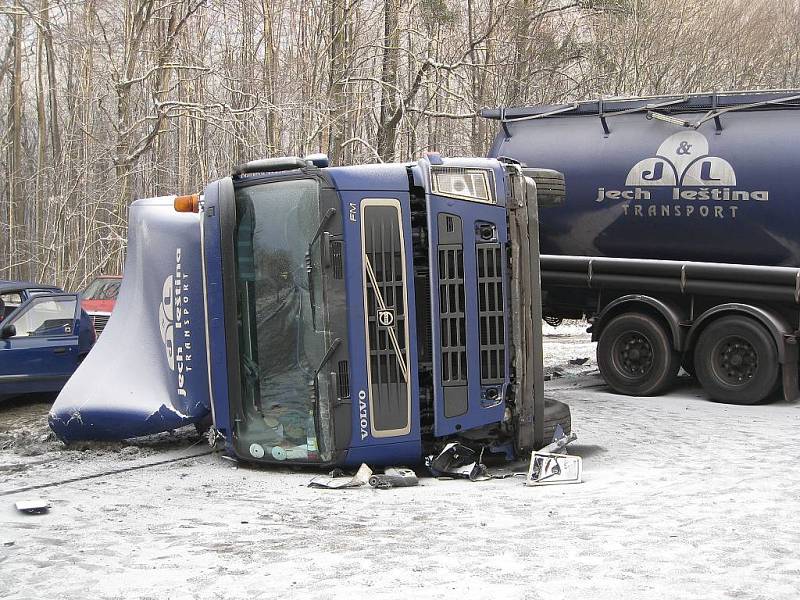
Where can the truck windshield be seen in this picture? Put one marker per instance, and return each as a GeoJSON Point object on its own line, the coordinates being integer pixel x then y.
{"type": "Point", "coordinates": [282, 323]}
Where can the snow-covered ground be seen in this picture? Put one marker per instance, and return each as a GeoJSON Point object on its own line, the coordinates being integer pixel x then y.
{"type": "Point", "coordinates": [682, 498]}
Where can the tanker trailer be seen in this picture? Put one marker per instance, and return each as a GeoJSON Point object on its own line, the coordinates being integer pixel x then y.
{"type": "Point", "coordinates": [677, 236]}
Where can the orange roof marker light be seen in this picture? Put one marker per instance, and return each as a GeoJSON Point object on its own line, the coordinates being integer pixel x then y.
{"type": "Point", "coordinates": [189, 203]}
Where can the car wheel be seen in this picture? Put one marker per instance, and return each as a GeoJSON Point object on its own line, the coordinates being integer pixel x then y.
{"type": "Point", "coordinates": [736, 361]}
{"type": "Point", "coordinates": [635, 356]}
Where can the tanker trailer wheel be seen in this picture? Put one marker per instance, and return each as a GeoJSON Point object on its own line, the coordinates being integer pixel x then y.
{"type": "Point", "coordinates": [636, 357]}
{"type": "Point", "coordinates": [736, 361]}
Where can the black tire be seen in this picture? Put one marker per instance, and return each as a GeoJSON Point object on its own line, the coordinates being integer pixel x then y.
{"type": "Point", "coordinates": [555, 413]}
{"type": "Point", "coordinates": [635, 356]}
{"type": "Point", "coordinates": [736, 361]}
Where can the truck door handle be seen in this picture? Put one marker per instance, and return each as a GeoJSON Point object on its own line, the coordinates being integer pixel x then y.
{"type": "Point", "coordinates": [60, 350]}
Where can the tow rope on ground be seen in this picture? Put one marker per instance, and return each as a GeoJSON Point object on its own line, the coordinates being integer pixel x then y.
{"type": "Point", "coordinates": [102, 474]}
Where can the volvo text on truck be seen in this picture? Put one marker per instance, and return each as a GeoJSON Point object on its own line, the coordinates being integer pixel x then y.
{"type": "Point", "coordinates": [678, 235]}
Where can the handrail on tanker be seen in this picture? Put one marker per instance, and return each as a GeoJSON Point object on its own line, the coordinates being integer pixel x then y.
{"type": "Point", "coordinates": [664, 101]}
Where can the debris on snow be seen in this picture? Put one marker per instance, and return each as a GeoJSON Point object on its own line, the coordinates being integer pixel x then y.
{"type": "Point", "coordinates": [336, 481]}
{"type": "Point", "coordinates": [457, 461]}
{"type": "Point", "coordinates": [550, 469]}
{"type": "Point", "coordinates": [393, 477]}
{"type": "Point", "coordinates": [35, 506]}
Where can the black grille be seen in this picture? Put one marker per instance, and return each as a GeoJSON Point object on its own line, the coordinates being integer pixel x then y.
{"type": "Point", "coordinates": [384, 271]}
{"type": "Point", "coordinates": [336, 260]}
{"type": "Point", "coordinates": [344, 379]}
{"type": "Point", "coordinates": [452, 317]}
{"type": "Point", "coordinates": [422, 289]}
{"type": "Point", "coordinates": [490, 313]}
{"type": "Point", "coordinates": [99, 323]}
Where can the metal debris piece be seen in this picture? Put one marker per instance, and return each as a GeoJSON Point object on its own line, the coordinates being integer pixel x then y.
{"type": "Point", "coordinates": [34, 506]}
{"type": "Point", "coordinates": [578, 361]}
{"type": "Point", "coordinates": [459, 461]}
{"type": "Point", "coordinates": [551, 469]}
{"type": "Point", "coordinates": [394, 477]}
{"type": "Point", "coordinates": [552, 465]}
{"type": "Point", "coordinates": [560, 444]}
{"type": "Point", "coordinates": [337, 483]}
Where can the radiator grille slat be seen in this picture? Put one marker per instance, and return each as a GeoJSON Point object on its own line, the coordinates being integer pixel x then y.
{"type": "Point", "coordinates": [452, 315]}
{"type": "Point", "coordinates": [344, 380]}
{"type": "Point", "coordinates": [336, 259]}
{"type": "Point", "coordinates": [491, 319]}
{"type": "Point", "coordinates": [99, 323]}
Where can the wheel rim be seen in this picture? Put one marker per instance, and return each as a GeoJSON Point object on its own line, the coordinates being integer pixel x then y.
{"type": "Point", "coordinates": [633, 354]}
{"type": "Point", "coordinates": [735, 361]}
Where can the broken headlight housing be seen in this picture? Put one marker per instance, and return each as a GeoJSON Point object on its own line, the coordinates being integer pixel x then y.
{"type": "Point", "coordinates": [476, 185]}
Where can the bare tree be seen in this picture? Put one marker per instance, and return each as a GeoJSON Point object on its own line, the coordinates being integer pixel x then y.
{"type": "Point", "coordinates": [109, 101]}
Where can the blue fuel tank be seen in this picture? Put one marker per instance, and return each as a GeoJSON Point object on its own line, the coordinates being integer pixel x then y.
{"type": "Point", "coordinates": [712, 178]}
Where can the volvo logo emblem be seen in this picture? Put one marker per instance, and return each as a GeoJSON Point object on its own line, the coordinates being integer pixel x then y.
{"type": "Point", "coordinates": [386, 317]}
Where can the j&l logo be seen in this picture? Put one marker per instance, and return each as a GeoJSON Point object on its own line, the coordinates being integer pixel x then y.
{"type": "Point", "coordinates": [681, 180]}
{"type": "Point", "coordinates": [174, 323]}
{"type": "Point", "coordinates": [166, 317]}
{"type": "Point", "coordinates": [682, 160]}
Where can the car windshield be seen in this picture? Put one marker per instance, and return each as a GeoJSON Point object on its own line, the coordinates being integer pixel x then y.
{"type": "Point", "coordinates": [104, 288]}
{"type": "Point", "coordinates": [282, 322]}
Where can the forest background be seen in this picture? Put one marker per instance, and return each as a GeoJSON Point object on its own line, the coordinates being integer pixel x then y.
{"type": "Point", "coordinates": [105, 101]}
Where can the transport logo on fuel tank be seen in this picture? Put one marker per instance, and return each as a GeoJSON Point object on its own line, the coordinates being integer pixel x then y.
{"type": "Point", "coordinates": [682, 180]}
{"type": "Point", "coordinates": [682, 159]}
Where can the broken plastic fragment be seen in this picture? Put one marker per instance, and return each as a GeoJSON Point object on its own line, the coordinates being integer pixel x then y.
{"type": "Point", "coordinates": [394, 477]}
{"type": "Point", "coordinates": [457, 460]}
{"type": "Point", "coordinates": [550, 469]}
{"type": "Point", "coordinates": [35, 506]}
{"type": "Point", "coordinates": [336, 483]}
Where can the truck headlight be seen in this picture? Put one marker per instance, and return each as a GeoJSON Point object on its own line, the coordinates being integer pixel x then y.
{"type": "Point", "coordinates": [467, 184]}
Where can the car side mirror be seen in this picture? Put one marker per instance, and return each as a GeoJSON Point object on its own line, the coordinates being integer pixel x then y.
{"type": "Point", "coordinates": [7, 331]}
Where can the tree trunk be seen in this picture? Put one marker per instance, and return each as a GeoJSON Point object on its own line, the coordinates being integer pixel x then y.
{"type": "Point", "coordinates": [389, 110]}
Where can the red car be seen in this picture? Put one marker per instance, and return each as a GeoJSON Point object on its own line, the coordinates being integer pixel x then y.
{"type": "Point", "coordinates": [98, 299]}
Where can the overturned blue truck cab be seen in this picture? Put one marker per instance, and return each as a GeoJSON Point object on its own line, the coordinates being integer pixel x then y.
{"type": "Point", "coordinates": [328, 315]}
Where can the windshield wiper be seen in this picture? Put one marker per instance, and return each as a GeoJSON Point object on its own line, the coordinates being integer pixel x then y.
{"type": "Point", "coordinates": [327, 356]}
{"type": "Point", "coordinates": [310, 262]}
{"type": "Point", "coordinates": [324, 221]}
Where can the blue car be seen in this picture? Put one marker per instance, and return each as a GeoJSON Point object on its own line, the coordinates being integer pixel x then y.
{"type": "Point", "coordinates": [44, 336]}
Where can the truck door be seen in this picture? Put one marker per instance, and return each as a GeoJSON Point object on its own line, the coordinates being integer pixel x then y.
{"type": "Point", "coordinates": [42, 351]}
